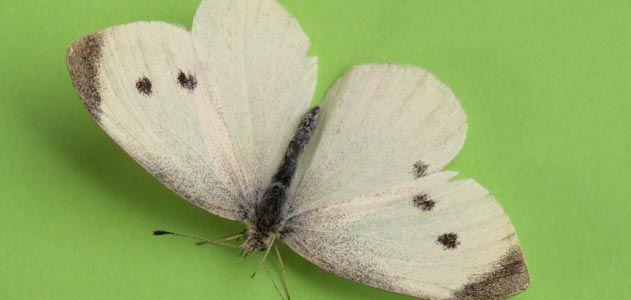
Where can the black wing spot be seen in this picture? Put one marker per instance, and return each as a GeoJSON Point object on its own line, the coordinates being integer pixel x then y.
{"type": "Point", "coordinates": [143, 85]}
{"type": "Point", "coordinates": [187, 81]}
{"type": "Point", "coordinates": [448, 240]}
{"type": "Point", "coordinates": [420, 169]}
{"type": "Point", "coordinates": [424, 202]}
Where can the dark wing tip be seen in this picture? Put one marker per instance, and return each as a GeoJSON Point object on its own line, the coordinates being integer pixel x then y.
{"type": "Point", "coordinates": [83, 58]}
{"type": "Point", "coordinates": [509, 278]}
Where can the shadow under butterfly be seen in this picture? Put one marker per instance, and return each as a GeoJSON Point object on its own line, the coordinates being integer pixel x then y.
{"type": "Point", "coordinates": [220, 115]}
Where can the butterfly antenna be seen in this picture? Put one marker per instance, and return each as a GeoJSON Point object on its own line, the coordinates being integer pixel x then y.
{"type": "Point", "coordinates": [282, 271]}
{"type": "Point", "coordinates": [228, 238]}
{"type": "Point", "coordinates": [262, 260]}
{"type": "Point", "coordinates": [200, 239]}
{"type": "Point", "coordinates": [273, 281]}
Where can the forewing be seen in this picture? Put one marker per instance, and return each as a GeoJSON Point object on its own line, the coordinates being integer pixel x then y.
{"type": "Point", "coordinates": [145, 84]}
{"type": "Point", "coordinates": [256, 53]}
{"type": "Point", "coordinates": [381, 125]}
{"type": "Point", "coordinates": [428, 238]}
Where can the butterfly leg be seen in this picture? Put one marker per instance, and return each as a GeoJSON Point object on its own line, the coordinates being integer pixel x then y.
{"type": "Point", "coordinates": [282, 272]}
{"type": "Point", "coordinates": [262, 260]}
{"type": "Point", "coordinates": [273, 281]}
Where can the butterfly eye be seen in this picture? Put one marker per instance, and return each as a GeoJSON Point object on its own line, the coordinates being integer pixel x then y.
{"type": "Point", "coordinates": [187, 81]}
{"type": "Point", "coordinates": [143, 85]}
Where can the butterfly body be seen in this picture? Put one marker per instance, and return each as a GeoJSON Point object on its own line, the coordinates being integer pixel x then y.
{"type": "Point", "coordinates": [265, 224]}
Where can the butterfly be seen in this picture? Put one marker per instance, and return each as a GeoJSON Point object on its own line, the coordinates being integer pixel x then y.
{"type": "Point", "coordinates": [221, 116]}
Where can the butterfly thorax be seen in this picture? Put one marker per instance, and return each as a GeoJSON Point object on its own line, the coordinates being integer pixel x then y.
{"type": "Point", "coordinates": [263, 226]}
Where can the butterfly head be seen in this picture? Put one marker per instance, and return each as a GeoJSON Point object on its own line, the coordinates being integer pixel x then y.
{"type": "Point", "coordinates": [256, 240]}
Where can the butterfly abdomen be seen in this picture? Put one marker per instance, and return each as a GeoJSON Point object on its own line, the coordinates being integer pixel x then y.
{"type": "Point", "coordinates": [267, 216]}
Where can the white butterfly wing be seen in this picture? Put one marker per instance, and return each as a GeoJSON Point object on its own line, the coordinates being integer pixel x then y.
{"type": "Point", "coordinates": [380, 125]}
{"type": "Point", "coordinates": [463, 247]}
{"type": "Point", "coordinates": [209, 112]}
{"type": "Point", "coordinates": [146, 86]}
{"type": "Point", "coordinates": [256, 53]}
{"type": "Point", "coordinates": [373, 206]}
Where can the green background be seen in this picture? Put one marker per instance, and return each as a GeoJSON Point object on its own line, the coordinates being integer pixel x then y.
{"type": "Point", "coordinates": [546, 86]}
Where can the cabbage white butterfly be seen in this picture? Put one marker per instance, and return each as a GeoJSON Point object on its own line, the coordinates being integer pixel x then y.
{"type": "Point", "coordinates": [220, 116]}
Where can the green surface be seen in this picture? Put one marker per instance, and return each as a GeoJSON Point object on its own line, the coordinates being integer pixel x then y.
{"type": "Point", "coordinates": [545, 84]}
